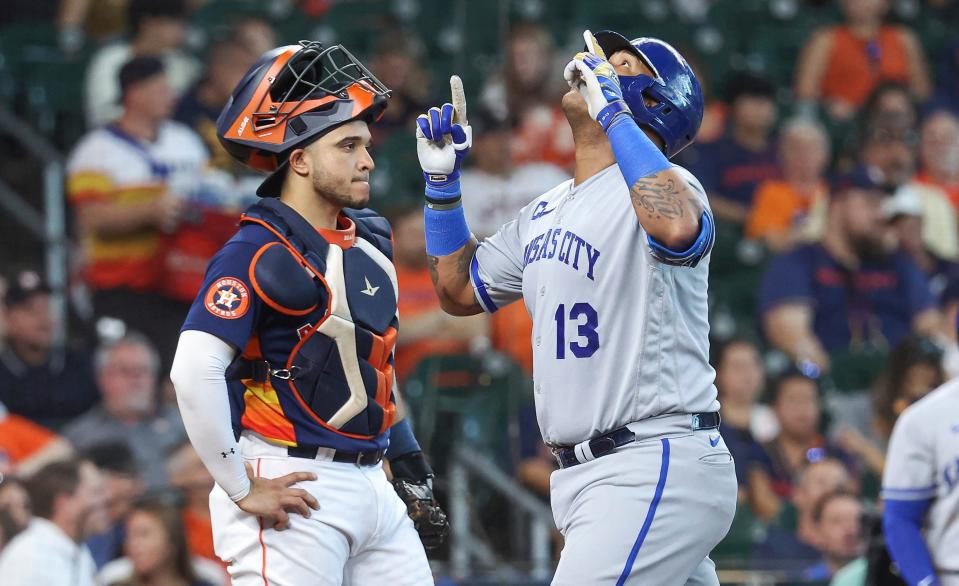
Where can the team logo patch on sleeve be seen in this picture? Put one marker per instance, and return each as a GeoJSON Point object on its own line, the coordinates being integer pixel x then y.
{"type": "Point", "coordinates": [227, 298]}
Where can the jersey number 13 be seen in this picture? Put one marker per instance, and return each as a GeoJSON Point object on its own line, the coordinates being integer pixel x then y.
{"type": "Point", "coordinates": [586, 341]}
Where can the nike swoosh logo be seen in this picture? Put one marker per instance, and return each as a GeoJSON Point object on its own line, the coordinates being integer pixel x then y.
{"type": "Point", "coordinates": [714, 441]}
{"type": "Point", "coordinates": [370, 289]}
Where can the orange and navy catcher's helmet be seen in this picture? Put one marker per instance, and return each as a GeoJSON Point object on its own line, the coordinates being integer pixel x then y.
{"type": "Point", "coordinates": [291, 97]}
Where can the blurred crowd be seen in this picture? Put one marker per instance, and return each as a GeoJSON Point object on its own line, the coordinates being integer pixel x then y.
{"type": "Point", "coordinates": [834, 285]}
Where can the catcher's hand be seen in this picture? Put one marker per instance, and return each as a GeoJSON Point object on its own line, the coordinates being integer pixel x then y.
{"type": "Point", "coordinates": [412, 480]}
{"type": "Point", "coordinates": [594, 77]}
{"type": "Point", "coordinates": [428, 518]}
{"type": "Point", "coordinates": [444, 138]}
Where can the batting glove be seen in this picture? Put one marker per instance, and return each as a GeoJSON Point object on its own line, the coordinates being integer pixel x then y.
{"type": "Point", "coordinates": [594, 77]}
{"type": "Point", "coordinates": [443, 139]}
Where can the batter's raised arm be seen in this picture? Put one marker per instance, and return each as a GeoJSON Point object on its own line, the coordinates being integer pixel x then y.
{"type": "Point", "coordinates": [668, 202]}
{"type": "Point", "coordinates": [443, 139]}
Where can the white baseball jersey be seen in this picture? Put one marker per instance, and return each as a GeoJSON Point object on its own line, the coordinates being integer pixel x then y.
{"type": "Point", "coordinates": [923, 463]}
{"type": "Point", "coordinates": [618, 335]}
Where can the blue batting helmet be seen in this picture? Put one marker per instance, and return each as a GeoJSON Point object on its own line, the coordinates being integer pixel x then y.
{"type": "Point", "coordinates": [678, 99]}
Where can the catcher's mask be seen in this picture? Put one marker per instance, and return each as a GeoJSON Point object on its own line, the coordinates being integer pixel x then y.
{"type": "Point", "coordinates": [291, 97]}
{"type": "Point", "coordinates": [674, 89]}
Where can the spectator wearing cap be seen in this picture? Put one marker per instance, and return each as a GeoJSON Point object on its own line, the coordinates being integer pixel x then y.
{"type": "Point", "coordinates": [122, 485]}
{"type": "Point", "coordinates": [888, 150]}
{"type": "Point", "coordinates": [841, 65]}
{"type": "Point", "coordinates": [939, 154]}
{"type": "Point", "coordinates": [792, 209]}
{"type": "Point", "coordinates": [157, 29]}
{"type": "Point", "coordinates": [732, 167]}
{"type": "Point", "coordinates": [847, 292]}
{"type": "Point", "coordinates": [128, 183]}
{"type": "Point", "coordinates": [67, 505]}
{"type": "Point", "coordinates": [127, 372]}
{"type": "Point", "coordinates": [47, 384]}
{"type": "Point", "coordinates": [906, 216]}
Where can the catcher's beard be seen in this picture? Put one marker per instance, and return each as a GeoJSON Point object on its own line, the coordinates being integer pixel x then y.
{"type": "Point", "coordinates": [337, 192]}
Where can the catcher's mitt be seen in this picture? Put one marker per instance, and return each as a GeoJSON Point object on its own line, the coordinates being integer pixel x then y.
{"type": "Point", "coordinates": [412, 480]}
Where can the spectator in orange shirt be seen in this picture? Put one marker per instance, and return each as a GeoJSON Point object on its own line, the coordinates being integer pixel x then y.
{"type": "Point", "coordinates": [792, 209]}
{"type": "Point", "coordinates": [427, 330]}
{"type": "Point", "coordinates": [841, 65]}
{"type": "Point", "coordinates": [939, 154]}
{"type": "Point", "coordinates": [25, 447]}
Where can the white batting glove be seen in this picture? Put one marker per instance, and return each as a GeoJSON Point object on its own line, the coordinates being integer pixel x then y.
{"type": "Point", "coordinates": [594, 77]}
{"type": "Point", "coordinates": [443, 139]}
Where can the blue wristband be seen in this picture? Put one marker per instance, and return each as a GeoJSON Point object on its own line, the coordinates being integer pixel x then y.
{"type": "Point", "coordinates": [402, 440]}
{"type": "Point", "coordinates": [445, 191]}
{"type": "Point", "coordinates": [636, 154]}
{"type": "Point", "coordinates": [446, 230]}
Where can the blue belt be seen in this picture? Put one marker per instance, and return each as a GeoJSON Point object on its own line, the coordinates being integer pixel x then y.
{"type": "Point", "coordinates": [607, 443]}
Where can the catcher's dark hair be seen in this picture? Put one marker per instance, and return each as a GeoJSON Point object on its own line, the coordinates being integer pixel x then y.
{"type": "Point", "coordinates": [50, 482]}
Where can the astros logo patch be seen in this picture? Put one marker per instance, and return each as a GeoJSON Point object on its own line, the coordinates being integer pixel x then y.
{"type": "Point", "coordinates": [227, 298]}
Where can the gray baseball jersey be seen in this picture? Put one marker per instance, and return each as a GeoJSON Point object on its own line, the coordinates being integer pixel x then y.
{"type": "Point", "coordinates": [923, 464]}
{"type": "Point", "coordinates": [618, 335]}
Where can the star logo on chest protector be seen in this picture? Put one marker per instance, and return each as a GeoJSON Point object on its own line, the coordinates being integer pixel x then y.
{"type": "Point", "coordinates": [370, 289]}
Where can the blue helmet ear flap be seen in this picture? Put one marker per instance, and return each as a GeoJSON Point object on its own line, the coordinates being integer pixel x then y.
{"type": "Point", "coordinates": [676, 108]}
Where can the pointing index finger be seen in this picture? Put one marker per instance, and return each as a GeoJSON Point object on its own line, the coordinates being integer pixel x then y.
{"type": "Point", "coordinates": [593, 45]}
{"type": "Point", "coordinates": [459, 100]}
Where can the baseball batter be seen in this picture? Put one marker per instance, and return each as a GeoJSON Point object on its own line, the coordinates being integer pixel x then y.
{"type": "Point", "coordinates": [920, 489]}
{"type": "Point", "coordinates": [284, 368]}
{"type": "Point", "coordinates": [612, 267]}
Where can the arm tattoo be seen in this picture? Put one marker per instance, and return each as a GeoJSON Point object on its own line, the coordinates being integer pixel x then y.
{"type": "Point", "coordinates": [660, 198]}
{"type": "Point", "coordinates": [465, 258]}
{"type": "Point", "coordinates": [433, 262]}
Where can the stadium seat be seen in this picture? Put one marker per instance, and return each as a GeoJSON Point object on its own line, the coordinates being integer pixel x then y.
{"type": "Point", "coordinates": [460, 398]}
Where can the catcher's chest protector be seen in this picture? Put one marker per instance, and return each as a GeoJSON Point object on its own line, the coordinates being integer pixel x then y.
{"type": "Point", "coordinates": [341, 370]}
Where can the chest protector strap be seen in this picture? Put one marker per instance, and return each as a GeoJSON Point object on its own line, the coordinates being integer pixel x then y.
{"type": "Point", "coordinates": [339, 372]}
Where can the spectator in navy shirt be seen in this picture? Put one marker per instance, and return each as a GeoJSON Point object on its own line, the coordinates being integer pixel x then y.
{"type": "Point", "coordinates": [39, 381]}
{"type": "Point", "coordinates": [731, 168]}
{"type": "Point", "coordinates": [845, 292]}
